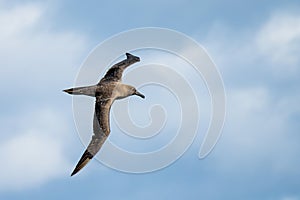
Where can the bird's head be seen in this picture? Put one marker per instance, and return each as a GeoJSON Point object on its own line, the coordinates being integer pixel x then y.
{"type": "Point", "coordinates": [135, 92]}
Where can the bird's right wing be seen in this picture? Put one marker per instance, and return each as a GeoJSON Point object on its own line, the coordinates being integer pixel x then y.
{"type": "Point", "coordinates": [101, 131]}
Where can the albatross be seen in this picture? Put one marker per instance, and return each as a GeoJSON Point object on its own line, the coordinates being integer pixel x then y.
{"type": "Point", "coordinates": [106, 92]}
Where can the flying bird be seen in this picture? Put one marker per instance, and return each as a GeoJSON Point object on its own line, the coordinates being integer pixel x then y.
{"type": "Point", "coordinates": [106, 92]}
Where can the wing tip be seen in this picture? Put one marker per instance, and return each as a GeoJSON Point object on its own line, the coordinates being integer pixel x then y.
{"type": "Point", "coordinates": [73, 173]}
{"type": "Point", "coordinates": [86, 157]}
{"type": "Point", "coordinates": [77, 169]}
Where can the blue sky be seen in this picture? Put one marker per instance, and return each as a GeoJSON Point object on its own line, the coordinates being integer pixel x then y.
{"type": "Point", "coordinates": [256, 46]}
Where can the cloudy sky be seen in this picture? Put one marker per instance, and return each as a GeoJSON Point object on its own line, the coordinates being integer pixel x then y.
{"type": "Point", "coordinates": [256, 46]}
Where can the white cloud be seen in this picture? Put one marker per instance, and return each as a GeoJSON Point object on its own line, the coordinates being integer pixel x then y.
{"type": "Point", "coordinates": [248, 101]}
{"type": "Point", "coordinates": [34, 60]}
{"type": "Point", "coordinates": [16, 20]}
{"type": "Point", "coordinates": [258, 132]}
{"type": "Point", "coordinates": [259, 114]}
{"type": "Point", "coordinates": [279, 38]}
{"type": "Point", "coordinates": [260, 67]}
{"type": "Point", "coordinates": [36, 153]}
{"type": "Point", "coordinates": [33, 52]}
{"type": "Point", "coordinates": [271, 49]}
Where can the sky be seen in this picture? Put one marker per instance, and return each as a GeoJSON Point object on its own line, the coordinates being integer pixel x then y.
{"type": "Point", "coordinates": [254, 44]}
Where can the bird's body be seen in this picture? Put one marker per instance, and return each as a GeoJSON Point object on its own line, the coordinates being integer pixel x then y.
{"type": "Point", "coordinates": [109, 89]}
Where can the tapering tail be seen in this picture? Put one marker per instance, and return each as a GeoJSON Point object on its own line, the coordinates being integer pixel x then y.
{"type": "Point", "coordinates": [88, 90]}
{"type": "Point", "coordinates": [85, 158]}
{"type": "Point", "coordinates": [69, 91]}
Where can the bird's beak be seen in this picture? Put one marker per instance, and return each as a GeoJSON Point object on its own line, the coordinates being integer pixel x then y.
{"type": "Point", "coordinates": [139, 94]}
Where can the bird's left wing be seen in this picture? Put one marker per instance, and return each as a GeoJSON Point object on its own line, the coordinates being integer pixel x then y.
{"type": "Point", "coordinates": [101, 131]}
{"type": "Point", "coordinates": [116, 71]}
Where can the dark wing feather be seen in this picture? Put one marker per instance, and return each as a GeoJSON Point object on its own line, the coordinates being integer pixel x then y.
{"type": "Point", "coordinates": [114, 74]}
{"type": "Point", "coordinates": [116, 71]}
{"type": "Point", "coordinates": [101, 131]}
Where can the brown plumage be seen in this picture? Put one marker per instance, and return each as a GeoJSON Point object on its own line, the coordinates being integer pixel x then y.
{"type": "Point", "coordinates": [106, 91]}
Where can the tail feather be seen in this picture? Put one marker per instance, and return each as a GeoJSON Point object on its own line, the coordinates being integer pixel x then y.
{"type": "Point", "coordinates": [85, 158]}
{"type": "Point", "coordinates": [69, 91]}
{"type": "Point", "coordinates": [88, 90]}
